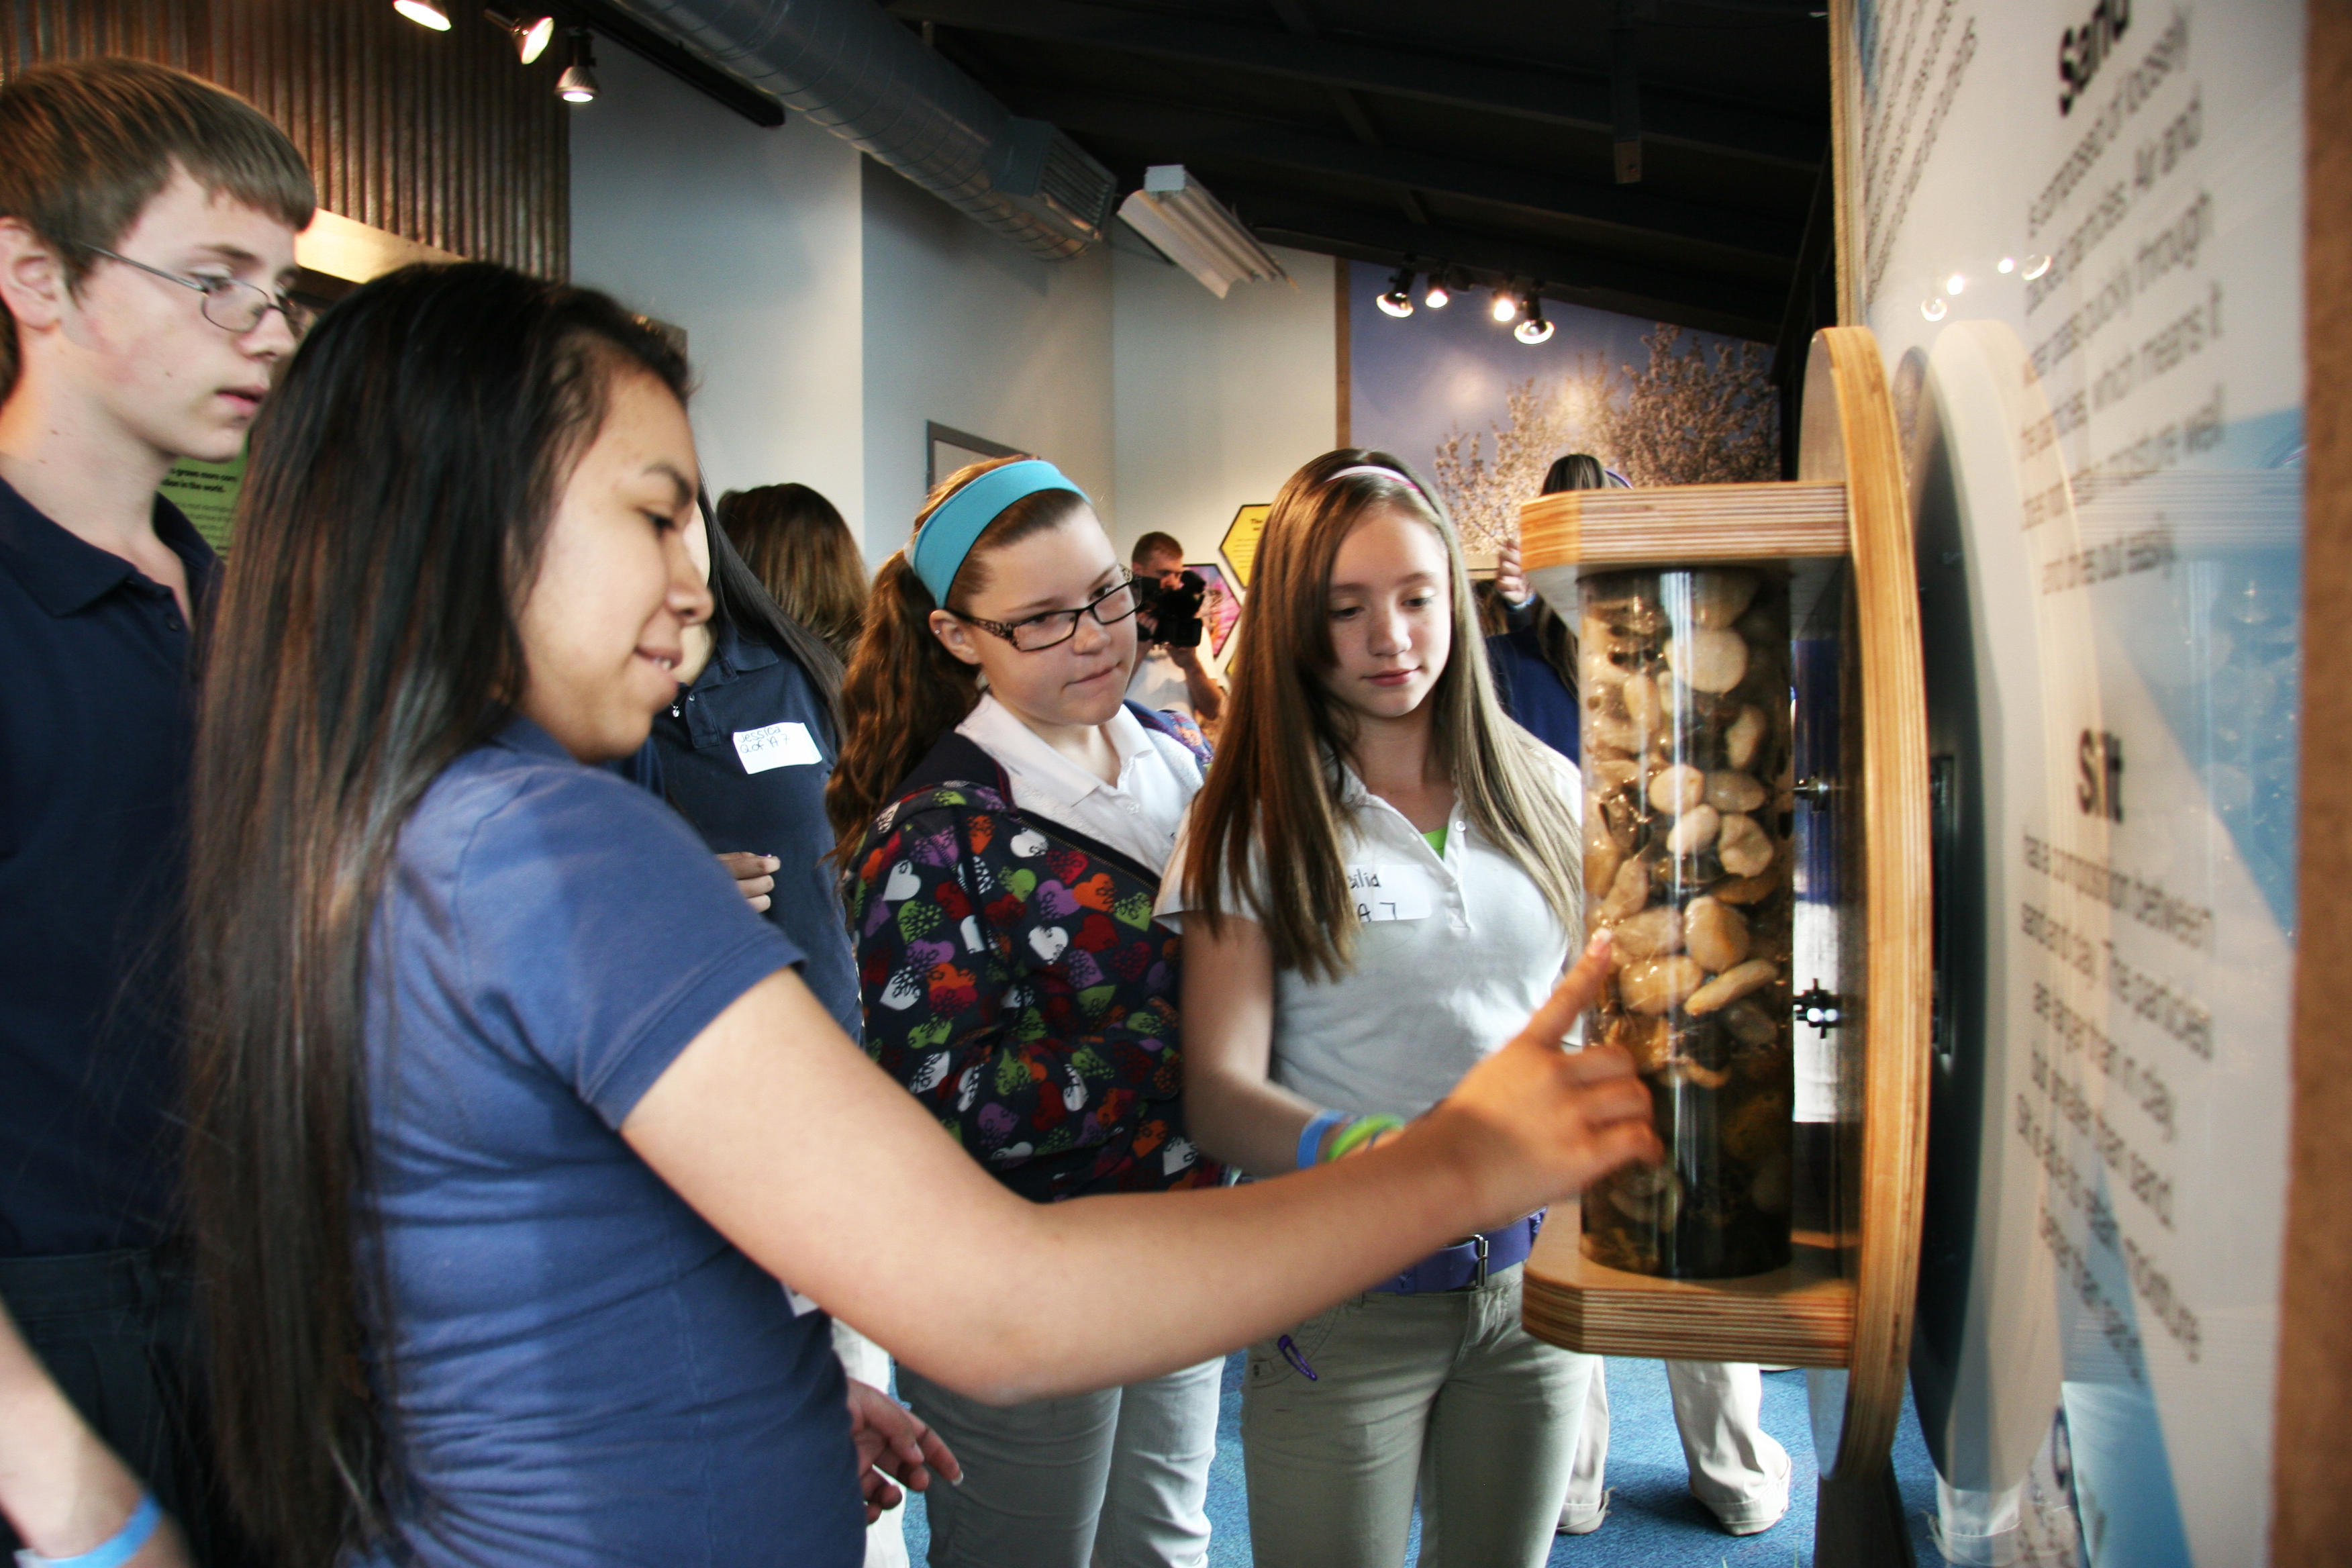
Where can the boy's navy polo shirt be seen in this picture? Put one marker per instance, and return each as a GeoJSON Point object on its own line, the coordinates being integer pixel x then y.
{"type": "Point", "coordinates": [745, 756]}
{"type": "Point", "coordinates": [97, 732]}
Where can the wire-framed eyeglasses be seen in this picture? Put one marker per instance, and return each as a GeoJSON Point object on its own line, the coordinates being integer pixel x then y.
{"type": "Point", "coordinates": [1035, 634]}
{"type": "Point", "coordinates": [228, 304]}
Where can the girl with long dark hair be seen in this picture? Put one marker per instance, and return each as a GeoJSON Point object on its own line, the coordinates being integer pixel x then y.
{"type": "Point", "coordinates": [509, 1113]}
{"type": "Point", "coordinates": [1381, 867]}
{"type": "Point", "coordinates": [1014, 979]}
{"type": "Point", "coordinates": [800, 549]}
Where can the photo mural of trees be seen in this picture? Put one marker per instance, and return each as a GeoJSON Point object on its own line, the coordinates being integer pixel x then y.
{"type": "Point", "coordinates": [1697, 413]}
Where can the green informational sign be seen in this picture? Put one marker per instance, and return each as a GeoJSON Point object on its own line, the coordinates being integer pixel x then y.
{"type": "Point", "coordinates": [208, 493]}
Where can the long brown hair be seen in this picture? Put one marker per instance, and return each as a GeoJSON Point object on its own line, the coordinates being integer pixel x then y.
{"type": "Point", "coordinates": [394, 507]}
{"type": "Point", "coordinates": [796, 543]}
{"type": "Point", "coordinates": [904, 689]}
{"type": "Point", "coordinates": [1269, 791]}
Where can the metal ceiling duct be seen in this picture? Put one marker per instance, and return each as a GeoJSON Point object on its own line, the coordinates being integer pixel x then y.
{"type": "Point", "coordinates": [848, 67]}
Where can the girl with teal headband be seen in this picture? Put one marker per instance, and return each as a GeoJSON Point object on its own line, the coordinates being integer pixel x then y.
{"type": "Point", "coordinates": [1013, 976]}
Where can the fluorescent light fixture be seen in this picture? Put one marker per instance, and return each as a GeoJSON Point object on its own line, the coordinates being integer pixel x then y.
{"type": "Point", "coordinates": [423, 13]}
{"type": "Point", "coordinates": [578, 82]}
{"type": "Point", "coordinates": [1191, 228]}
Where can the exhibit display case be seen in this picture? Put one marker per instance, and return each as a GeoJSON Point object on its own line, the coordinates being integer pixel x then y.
{"type": "Point", "coordinates": [1749, 1244]}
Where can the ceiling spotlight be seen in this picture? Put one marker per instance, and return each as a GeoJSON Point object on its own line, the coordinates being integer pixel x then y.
{"type": "Point", "coordinates": [2035, 266]}
{"type": "Point", "coordinates": [1437, 295]}
{"type": "Point", "coordinates": [1535, 328]}
{"type": "Point", "coordinates": [531, 35]}
{"type": "Point", "coordinates": [1955, 283]}
{"type": "Point", "coordinates": [1933, 309]}
{"type": "Point", "coordinates": [1398, 301]}
{"type": "Point", "coordinates": [578, 82]}
{"type": "Point", "coordinates": [423, 13]}
{"type": "Point", "coordinates": [2008, 264]}
{"type": "Point", "coordinates": [1507, 309]}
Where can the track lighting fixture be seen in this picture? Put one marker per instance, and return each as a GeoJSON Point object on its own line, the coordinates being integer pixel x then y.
{"type": "Point", "coordinates": [578, 82]}
{"type": "Point", "coordinates": [1437, 295]}
{"type": "Point", "coordinates": [1507, 309]}
{"type": "Point", "coordinates": [531, 33]}
{"type": "Point", "coordinates": [1398, 301]}
{"type": "Point", "coordinates": [1533, 329]}
{"type": "Point", "coordinates": [423, 13]}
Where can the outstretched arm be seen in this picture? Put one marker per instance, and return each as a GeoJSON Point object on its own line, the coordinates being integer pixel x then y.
{"type": "Point", "coordinates": [770, 1115]}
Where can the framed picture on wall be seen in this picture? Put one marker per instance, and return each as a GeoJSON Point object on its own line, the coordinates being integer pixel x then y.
{"type": "Point", "coordinates": [946, 450]}
{"type": "Point", "coordinates": [1220, 609]}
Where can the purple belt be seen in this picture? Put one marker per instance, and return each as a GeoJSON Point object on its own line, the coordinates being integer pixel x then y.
{"type": "Point", "coordinates": [1466, 1265]}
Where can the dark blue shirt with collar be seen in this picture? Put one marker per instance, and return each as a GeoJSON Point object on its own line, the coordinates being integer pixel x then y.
{"type": "Point", "coordinates": [97, 722]}
{"type": "Point", "coordinates": [745, 753]}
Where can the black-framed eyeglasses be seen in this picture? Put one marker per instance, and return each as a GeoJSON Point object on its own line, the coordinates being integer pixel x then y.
{"type": "Point", "coordinates": [1055, 628]}
{"type": "Point", "coordinates": [228, 304]}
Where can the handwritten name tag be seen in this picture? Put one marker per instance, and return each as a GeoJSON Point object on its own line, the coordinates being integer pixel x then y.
{"type": "Point", "coordinates": [783, 745]}
{"type": "Point", "coordinates": [1389, 892]}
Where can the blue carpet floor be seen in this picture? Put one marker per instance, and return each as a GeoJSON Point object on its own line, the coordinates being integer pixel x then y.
{"type": "Point", "coordinates": [1653, 1520]}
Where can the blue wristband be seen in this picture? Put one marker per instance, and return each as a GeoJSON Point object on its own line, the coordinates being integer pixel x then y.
{"type": "Point", "coordinates": [1310, 1140]}
{"type": "Point", "coordinates": [135, 1533]}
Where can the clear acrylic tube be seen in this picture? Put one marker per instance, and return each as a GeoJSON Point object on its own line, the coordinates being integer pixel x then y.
{"type": "Point", "coordinates": [1687, 812]}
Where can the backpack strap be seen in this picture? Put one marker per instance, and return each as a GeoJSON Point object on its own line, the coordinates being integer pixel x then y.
{"type": "Point", "coordinates": [1176, 728]}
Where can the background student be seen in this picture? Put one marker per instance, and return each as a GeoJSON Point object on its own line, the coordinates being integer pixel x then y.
{"type": "Point", "coordinates": [1382, 869]}
{"type": "Point", "coordinates": [504, 1096]}
{"type": "Point", "coordinates": [797, 545]}
{"type": "Point", "coordinates": [1168, 675]}
{"type": "Point", "coordinates": [147, 224]}
{"type": "Point", "coordinates": [1014, 979]}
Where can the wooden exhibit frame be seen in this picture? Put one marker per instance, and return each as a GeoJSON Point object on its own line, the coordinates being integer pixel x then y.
{"type": "Point", "coordinates": [1847, 1299]}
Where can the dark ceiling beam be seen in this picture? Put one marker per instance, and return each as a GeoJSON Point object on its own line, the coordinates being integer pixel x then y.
{"type": "Point", "coordinates": [658, 48]}
{"type": "Point", "coordinates": [1560, 96]}
{"type": "Point", "coordinates": [1369, 236]}
{"type": "Point", "coordinates": [1171, 135]}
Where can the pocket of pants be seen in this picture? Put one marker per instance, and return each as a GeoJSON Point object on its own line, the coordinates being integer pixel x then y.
{"type": "Point", "coordinates": [1268, 1367]}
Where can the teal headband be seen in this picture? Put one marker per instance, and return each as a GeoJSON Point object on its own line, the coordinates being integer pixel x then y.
{"type": "Point", "coordinates": [948, 535]}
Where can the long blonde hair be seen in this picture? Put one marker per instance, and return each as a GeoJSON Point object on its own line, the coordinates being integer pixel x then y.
{"type": "Point", "coordinates": [1268, 789]}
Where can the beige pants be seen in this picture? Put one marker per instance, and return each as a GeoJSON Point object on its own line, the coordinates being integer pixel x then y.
{"type": "Point", "coordinates": [1443, 1394]}
{"type": "Point", "coordinates": [1735, 1467]}
{"type": "Point", "coordinates": [1118, 1479]}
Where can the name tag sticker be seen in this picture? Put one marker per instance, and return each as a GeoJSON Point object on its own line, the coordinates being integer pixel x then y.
{"type": "Point", "coordinates": [1389, 892]}
{"type": "Point", "coordinates": [785, 746]}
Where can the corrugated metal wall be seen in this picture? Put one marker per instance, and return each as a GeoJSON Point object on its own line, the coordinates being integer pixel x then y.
{"type": "Point", "coordinates": [439, 137]}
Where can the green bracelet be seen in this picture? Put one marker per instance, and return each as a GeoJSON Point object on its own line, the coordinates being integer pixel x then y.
{"type": "Point", "coordinates": [1359, 1133]}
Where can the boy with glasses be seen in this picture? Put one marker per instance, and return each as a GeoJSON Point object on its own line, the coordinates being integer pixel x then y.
{"type": "Point", "coordinates": [147, 224]}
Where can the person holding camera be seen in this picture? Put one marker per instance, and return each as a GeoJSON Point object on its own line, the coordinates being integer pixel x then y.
{"type": "Point", "coordinates": [1168, 673]}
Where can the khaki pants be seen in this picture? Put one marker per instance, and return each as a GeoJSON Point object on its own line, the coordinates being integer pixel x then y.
{"type": "Point", "coordinates": [1442, 1392]}
{"type": "Point", "coordinates": [1735, 1467]}
{"type": "Point", "coordinates": [1116, 1479]}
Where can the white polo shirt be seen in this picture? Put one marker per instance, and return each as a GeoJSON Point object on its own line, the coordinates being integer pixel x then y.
{"type": "Point", "coordinates": [1453, 952]}
{"type": "Point", "coordinates": [1139, 816]}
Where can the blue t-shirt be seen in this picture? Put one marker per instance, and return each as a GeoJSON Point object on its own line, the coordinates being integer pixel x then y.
{"type": "Point", "coordinates": [585, 1371]}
